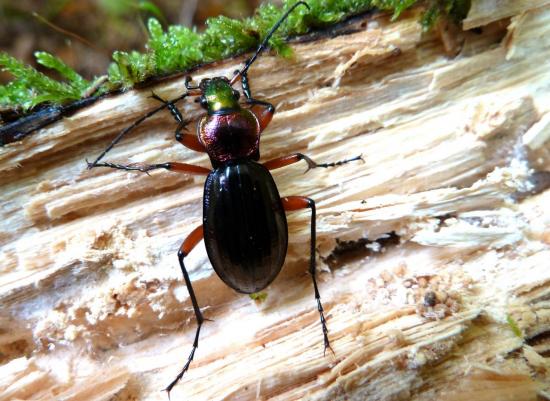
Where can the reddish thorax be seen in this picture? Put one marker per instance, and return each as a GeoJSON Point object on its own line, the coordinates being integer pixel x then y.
{"type": "Point", "coordinates": [227, 131]}
{"type": "Point", "coordinates": [230, 136]}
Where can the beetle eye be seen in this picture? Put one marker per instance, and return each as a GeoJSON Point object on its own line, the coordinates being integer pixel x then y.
{"type": "Point", "coordinates": [236, 94]}
{"type": "Point", "coordinates": [203, 101]}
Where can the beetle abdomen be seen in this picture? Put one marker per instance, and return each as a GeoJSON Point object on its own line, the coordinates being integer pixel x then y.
{"type": "Point", "coordinates": [245, 230]}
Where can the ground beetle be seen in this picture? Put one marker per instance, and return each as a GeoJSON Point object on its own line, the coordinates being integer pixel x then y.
{"type": "Point", "coordinates": [244, 223]}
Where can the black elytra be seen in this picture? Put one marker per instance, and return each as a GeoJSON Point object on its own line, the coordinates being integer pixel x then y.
{"type": "Point", "coordinates": [244, 224]}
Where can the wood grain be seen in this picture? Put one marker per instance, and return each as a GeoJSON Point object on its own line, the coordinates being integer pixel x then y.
{"type": "Point", "coordinates": [447, 299]}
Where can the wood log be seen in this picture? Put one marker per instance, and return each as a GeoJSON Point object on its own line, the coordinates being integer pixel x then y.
{"type": "Point", "coordinates": [433, 251]}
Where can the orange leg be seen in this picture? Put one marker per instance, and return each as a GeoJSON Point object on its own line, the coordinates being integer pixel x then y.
{"type": "Point", "coordinates": [296, 157]}
{"type": "Point", "coordinates": [186, 168]}
{"type": "Point", "coordinates": [187, 140]}
{"type": "Point", "coordinates": [190, 242]}
{"type": "Point", "coordinates": [262, 110]}
{"type": "Point", "coordinates": [287, 160]}
{"type": "Point", "coordinates": [301, 202]}
{"type": "Point", "coordinates": [145, 168]}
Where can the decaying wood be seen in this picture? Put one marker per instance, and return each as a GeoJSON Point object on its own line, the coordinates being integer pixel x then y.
{"type": "Point", "coordinates": [448, 299]}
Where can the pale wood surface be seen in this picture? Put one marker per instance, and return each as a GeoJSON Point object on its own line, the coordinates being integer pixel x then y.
{"type": "Point", "coordinates": [93, 305]}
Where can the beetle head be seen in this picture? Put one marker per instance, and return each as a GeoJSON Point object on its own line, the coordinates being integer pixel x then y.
{"type": "Point", "coordinates": [217, 95]}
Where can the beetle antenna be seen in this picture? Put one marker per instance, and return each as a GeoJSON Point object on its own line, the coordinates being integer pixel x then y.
{"type": "Point", "coordinates": [130, 127]}
{"type": "Point", "coordinates": [263, 45]}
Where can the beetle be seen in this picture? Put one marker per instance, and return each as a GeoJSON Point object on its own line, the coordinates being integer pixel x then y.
{"type": "Point", "coordinates": [244, 222]}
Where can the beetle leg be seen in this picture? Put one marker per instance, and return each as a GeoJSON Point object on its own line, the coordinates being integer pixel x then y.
{"type": "Point", "coordinates": [296, 157]}
{"type": "Point", "coordinates": [187, 140]}
{"type": "Point", "coordinates": [301, 202]}
{"type": "Point", "coordinates": [262, 110]}
{"type": "Point", "coordinates": [145, 168]}
{"type": "Point", "coordinates": [186, 247]}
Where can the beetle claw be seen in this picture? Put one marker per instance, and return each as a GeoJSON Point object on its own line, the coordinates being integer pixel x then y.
{"type": "Point", "coordinates": [310, 163]}
{"type": "Point", "coordinates": [327, 346]}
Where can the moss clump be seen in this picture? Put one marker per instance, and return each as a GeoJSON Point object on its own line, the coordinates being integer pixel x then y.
{"type": "Point", "coordinates": [514, 326]}
{"type": "Point", "coordinates": [455, 9]}
{"type": "Point", "coordinates": [258, 297]}
{"type": "Point", "coordinates": [179, 48]}
{"type": "Point", "coordinates": [31, 87]}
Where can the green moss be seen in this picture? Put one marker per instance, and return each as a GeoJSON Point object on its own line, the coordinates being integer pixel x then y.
{"type": "Point", "coordinates": [258, 296]}
{"type": "Point", "coordinates": [455, 9]}
{"type": "Point", "coordinates": [514, 326]}
{"type": "Point", "coordinates": [31, 87]}
{"type": "Point", "coordinates": [179, 48]}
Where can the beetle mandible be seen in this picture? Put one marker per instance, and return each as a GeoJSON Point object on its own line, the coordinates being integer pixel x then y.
{"type": "Point", "coordinates": [244, 223]}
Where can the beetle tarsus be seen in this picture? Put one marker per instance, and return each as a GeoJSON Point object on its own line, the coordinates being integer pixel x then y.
{"type": "Point", "coordinates": [188, 363]}
{"type": "Point", "coordinates": [323, 321]}
{"type": "Point", "coordinates": [246, 86]}
{"type": "Point", "coordinates": [186, 247]}
{"type": "Point", "coordinates": [248, 94]}
{"type": "Point", "coordinates": [144, 168]}
{"type": "Point", "coordinates": [298, 203]}
{"type": "Point", "coordinates": [327, 346]}
{"type": "Point", "coordinates": [313, 271]}
{"type": "Point", "coordinates": [182, 124]}
{"type": "Point", "coordinates": [173, 110]}
{"type": "Point", "coordinates": [89, 165]}
{"type": "Point", "coordinates": [311, 164]}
